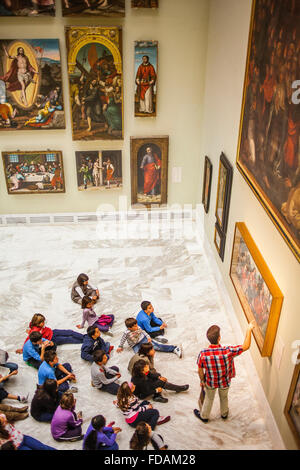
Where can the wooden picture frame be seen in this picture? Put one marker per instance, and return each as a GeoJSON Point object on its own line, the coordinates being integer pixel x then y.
{"type": "Point", "coordinates": [223, 192]}
{"type": "Point", "coordinates": [99, 170]}
{"type": "Point", "coordinates": [292, 406]}
{"type": "Point", "coordinates": [96, 8]}
{"type": "Point", "coordinates": [256, 288]}
{"type": "Point", "coordinates": [145, 68]}
{"type": "Point", "coordinates": [219, 241]}
{"type": "Point", "coordinates": [149, 170]}
{"type": "Point", "coordinates": [34, 172]}
{"type": "Point", "coordinates": [144, 4]}
{"type": "Point", "coordinates": [207, 177]}
{"type": "Point", "coordinates": [95, 52]}
{"type": "Point", "coordinates": [16, 8]}
{"type": "Point", "coordinates": [267, 153]}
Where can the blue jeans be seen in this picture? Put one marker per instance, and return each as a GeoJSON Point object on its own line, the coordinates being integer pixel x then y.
{"type": "Point", "coordinates": [157, 346]}
{"type": "Point", "coordinates": [11, 366]}
{"type": "Point", "coordinates": [30, 443]}
{"type": "Point", "coordinates": [60, 375]}
{"type": "Point", "coordinates": [67, 337]}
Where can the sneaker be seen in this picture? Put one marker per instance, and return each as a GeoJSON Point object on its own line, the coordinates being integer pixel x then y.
{"type": "Point", "coordinates": [161, 399]}
{"type": "Point", "coordinates": [183, 388]}
{"type": "Point", "coordinates": [178, 352]}
{"type": "Point", "coordinates": [224, 416]}
{"type": "Point", "coordinates": [24, 399]}
{"type": "Point", "coordinates": [163, 419]}
{"type": "Point", "coordinates": [110, 349]}
{"type": "Point", "coordinates": [197, 413]}
{"type": "Point", "coordinates": [161, 339]}
{"type": "Point", "coordinates": [73, 390]}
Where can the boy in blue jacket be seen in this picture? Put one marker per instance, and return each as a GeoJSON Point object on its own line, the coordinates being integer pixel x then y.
{"type": "Point", "coordinates": [34, 349]}
{"type": "Point", "coordinates": [92, 341]}
{"type": "Point", "coordinates": [150, 323]}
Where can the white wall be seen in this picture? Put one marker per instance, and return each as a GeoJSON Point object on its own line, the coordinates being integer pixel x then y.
{"type": "Point", "coordinates": [181, 32]}
{"type": "Point", "coordinates": [227, 49]}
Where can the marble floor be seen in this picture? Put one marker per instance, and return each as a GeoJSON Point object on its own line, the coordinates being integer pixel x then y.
{"type": "Point", "coordinates": [38, 265]}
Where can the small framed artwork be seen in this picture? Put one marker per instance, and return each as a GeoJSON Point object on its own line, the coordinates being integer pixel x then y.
{"type": "Point", "coordinates": [144, 3]}
{"type": "Point", "coordinates": [145, 57]}
{"type": "Point", "coordinates": [34, 172]}
{"type": "Point", "coordinates": [206, 184]}
{"type": "Point", "coordinates": [219, 240]}
{"type": "Point", "coordinates": [256, 288]}
{"type": "Point", "coordinates": [110, 8]}
{"type": "Point", "coordinates": [27, 7]}
{"type": "Point", "coordinates": [292, 406]}
{"type": "Point", "coordinates": [97, 170]}
{"type": "Point", "coordinates": [224, 192]}
{"type": "Point", "coordinates": [149, 170]}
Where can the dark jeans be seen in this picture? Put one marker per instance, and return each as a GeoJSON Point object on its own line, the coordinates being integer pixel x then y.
{"type": "Point", "coordinates": [29, 443]}
{"type": "Point", "coordinates": [44, 417]}
{"type": "Point", "coordinates": [111, 388]}
{"type": "Point", "coordinates": [71, 434]}
{"type": "Point", "coordinates": [153, 334]}
{"type": "Point", "coordinates": [157, 346]}
{"type": "Point", "coordinates": [60, 375]}
{"type": "Point", "coordinates": [67, 337]}
{"type": "Point", "coordinates": [149, 416]}
{"type": "Point", "coordinates": [11, 366]}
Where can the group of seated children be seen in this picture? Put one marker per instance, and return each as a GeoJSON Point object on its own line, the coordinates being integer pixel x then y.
{"type": "Point", "coordinates": [54, 402]}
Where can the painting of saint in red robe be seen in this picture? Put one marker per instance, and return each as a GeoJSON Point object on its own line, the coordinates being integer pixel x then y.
{"type": "Point", "coordinates": [145, 78]}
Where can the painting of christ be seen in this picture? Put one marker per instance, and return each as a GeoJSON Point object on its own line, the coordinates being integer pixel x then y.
{"type": "Point", "coordinates": [96, 82]}
{"type": "Point", "coordinates": [30, 85]}
{"type": "Point", "coordinates": [97, 170]}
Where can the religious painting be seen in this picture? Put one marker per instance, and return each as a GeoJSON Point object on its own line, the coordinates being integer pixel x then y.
{"type": "Point", "coordinates": [30, 85]}
{"type": "Point", "coordinates": [144, 3]}
{"type": "Point", "coordinates": [257, 290]}
{"type": "Point", "coordinates": [149, 170]}
{"type": "Point", "coordinates": [27, 7]}
{"type": "Point", "coordinates": [206, 184]}
{"type": "Point", "coordinates": [96, 82]}
{"type": "Point", "coordinates": [145, 78]}
{"type": "Point", "coordinates": [292, 407]}
{"type": "Point", "coordinates": [219, 241]}
{"type": "Point", "coordinates": [224, 192]}
{"type": "Point", "coordinates": [96, 8]}
{"type": "Point", "coordinates": [99, 169]}
{"type": "Point", "coordinates": [268, 148]}
{"type": "Point", "coordinates": [34, 172]}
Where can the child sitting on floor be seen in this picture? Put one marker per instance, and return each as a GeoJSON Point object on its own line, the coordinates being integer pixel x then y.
{"type": "Point", "coordinates": [99, 436]}
{"type": "Point", "coordinates": [104, 378]}
{"type": "Point", "coordinates": [66, 425]}
{"type": "Point", "coordinates": [154, 326]}
{"type": "Point", "coordinates": [92, 342]}
{"type": "Point", "coordinates": [142, 437]}
{"type": "Point", "coordinates": [104, 322]}
{"type": "Point", "coordinates": [34, 349]}
{"type": "Point", "coordinates": [81, 288]}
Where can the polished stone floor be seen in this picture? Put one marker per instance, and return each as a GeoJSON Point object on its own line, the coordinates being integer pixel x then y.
{"type": "Point", "coordinates": [38, 265]}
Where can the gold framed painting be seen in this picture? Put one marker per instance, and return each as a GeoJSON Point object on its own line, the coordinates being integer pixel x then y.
{"type": "Point", "coordinates": [108, 8]}
{"type": "Point", "coordinates": [206, 183]}
{"type": "Point", "coordinates": [223, 192]}
{"type": "Point", "coordinates": [149, 170]}
{"type": "Point", "coordinates": [256, 288]}
{"type": "Point", "coordinates": [219, 241]}
{"type": "Point", "coordinates": [292, 406]}
{"type": "Point", "coordinates": [96, 81]}
{"type": "Point", "coordinates": [35, 172]}
{"type": "Point", "coordinates": [268, 147]}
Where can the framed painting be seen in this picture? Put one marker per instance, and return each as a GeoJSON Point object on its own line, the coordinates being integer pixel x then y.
{"type": "Point", "coordinates": [292, 407]}
{"type": "Point", "coordinates": [206, 184]}
{"type": "Point", "coordinates": [96, 82]}
{"type": "Point", "coordinates": [219, 241]}
{"type": "Point", "coordinates": [257, 290]}
{"type": "Point", "coordinates": [149, 170]}
{"type": "Point", "coordinates": [34, 172]}
{"type": "Point", "coordinates": [268, 147]}
{"type": "Point", "coordinates": [223, 192]}
{"type": "Point", "coordinates": [99, 169]}
{"type": "Point", "coordinates": [31, 85]}
{"type": "Point", "coordinates": [144, 3]}
{"type": "Point", "coordinates": [27, 7]}
{"type": "Point", "coordinates": [110, 8]}
{"type": "Point", "coordinates": [145, 57]}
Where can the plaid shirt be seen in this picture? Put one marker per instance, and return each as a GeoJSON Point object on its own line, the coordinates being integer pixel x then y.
{"type": "Point", "coordinates": [217, 361]}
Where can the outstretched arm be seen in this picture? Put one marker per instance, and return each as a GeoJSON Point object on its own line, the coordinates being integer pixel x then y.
{"type": "Point", "coordinates": [247, 340]}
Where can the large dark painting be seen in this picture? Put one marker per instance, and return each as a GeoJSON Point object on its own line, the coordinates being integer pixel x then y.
{"type": "Point", "coordinates": [268, 150]}
{"type": "Point", "coordinates": [93, 7]}
{"type": "Point", "coordinates": [27, 7]}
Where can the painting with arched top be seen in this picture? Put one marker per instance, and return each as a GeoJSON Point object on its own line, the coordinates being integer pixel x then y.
{"type": "Point", "coordinates": [96, 82]}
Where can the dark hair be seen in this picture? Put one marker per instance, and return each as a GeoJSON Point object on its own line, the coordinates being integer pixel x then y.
{"type": "Point", "coordinates": [67, 401]}
{"type": "Point", "coordinates": [4, 434]}
{"type": "Point", "coordinates": [48, 389]}
{"type": "Point", "coordinates": [85, 301]}
{"type": "Point", "coordinates": [138, 367]}
{"type": "Point", "coordinates": [141, 437]}
{"type": "Point", "coordinates": [35, 336]}
{"type": "Point", "coordinates": [82, 278]}
{"type": "Point", "coordinates": [9, 445]}
{"type": "Point", "coordinates": [123, 396]}
{"type": "Point", "coordinates": [49, 355]}
{"type": "Point", "coordinates": [90, 443]}
{"type": "Point", "coordinates": [98, 355]}
{"type": "Point", "coordinates": [145, 348]}
{"type": "Point", "coordinates": [213, 334]}
{"type": "Point", "coordinates": [91, 330]}
{"type": "Point", "coordinates": [145, 304]}
{"type": "Point", "coordinates": [146, 56]}
{"type": "Point", "coordinates": [130, 322]}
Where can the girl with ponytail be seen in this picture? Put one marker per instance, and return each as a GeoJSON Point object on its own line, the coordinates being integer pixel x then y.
{"type": "Point", "coordinates": [99, 436]}
{"type": "Point", "coordinates": [143, 436]}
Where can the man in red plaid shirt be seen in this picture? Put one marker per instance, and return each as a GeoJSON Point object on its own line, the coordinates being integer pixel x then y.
{"type": "Point", "coordinates": [216, 369]}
